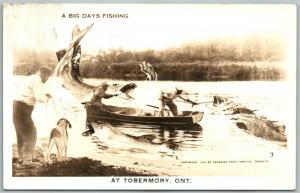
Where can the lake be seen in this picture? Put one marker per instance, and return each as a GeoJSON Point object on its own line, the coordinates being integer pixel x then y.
{"type": "Point", "coordinates": [217, 137]}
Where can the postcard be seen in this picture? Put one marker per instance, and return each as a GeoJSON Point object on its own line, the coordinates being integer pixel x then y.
{"type": "Point", "coordinates": [149, 96]}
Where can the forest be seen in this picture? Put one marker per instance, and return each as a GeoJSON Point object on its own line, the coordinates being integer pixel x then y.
{"type": "Point", "coordinates": [249, 59]}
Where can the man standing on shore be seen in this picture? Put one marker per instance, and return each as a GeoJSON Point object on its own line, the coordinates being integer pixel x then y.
{"type": "Point", "coordinates": [30, 92]}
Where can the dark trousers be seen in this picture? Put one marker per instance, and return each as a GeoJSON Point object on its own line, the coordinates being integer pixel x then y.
{"type": "Point", "coordinates": [25, 130]}
{"type": "Point", "coordinates": [172, 106]}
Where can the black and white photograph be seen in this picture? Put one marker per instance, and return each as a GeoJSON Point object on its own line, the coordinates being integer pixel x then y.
{"type": "Point", "coordinates": [149, 96]}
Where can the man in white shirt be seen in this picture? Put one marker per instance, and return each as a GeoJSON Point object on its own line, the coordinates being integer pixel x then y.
{"type": "Point", "coordinates": [30, 92]}
{"type": "Point", "coordinates": [166, 99]}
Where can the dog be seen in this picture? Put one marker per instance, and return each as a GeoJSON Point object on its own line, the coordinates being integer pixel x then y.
{"type": "Point", "coordinates": [59, 137]}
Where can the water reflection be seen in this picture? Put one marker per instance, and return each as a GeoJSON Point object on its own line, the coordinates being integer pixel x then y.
{"type": "Point", "coordinates": [173, 138]}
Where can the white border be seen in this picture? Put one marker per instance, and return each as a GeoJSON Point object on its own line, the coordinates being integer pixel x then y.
{"type": "Point", "coordinates": [217, 183]}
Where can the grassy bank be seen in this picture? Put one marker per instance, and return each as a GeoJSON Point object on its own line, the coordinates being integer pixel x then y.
{"type": "Point", "coordinates": [70, 167]}
{"type": "Point", "coordinates": [74, 167]}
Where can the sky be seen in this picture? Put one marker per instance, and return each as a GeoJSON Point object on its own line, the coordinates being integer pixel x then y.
{"type": "Point", "coordinates": [147, 26]}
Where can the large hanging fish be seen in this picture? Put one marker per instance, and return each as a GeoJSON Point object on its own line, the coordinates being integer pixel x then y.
{"type": "Point", "coordinates": [148, 70]}
{"type": "Point", "coordinates": [67, 70]}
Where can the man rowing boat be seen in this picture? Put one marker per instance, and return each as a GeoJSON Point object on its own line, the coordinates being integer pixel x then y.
{"type": "Point", "coordinates": [166, 99]}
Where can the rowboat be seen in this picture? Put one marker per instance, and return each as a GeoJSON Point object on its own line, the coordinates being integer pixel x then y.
{"type": "Point", "coordinates": [115, 114]}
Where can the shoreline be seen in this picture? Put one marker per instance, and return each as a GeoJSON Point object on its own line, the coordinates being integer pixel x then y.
{"type": "Point", "coordinates": [81, 166]}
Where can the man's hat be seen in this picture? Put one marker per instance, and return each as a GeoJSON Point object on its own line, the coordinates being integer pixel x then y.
{"type": "Point", "coordinates": [179, 88]}
{"type": "Point", "coordinates": [45, 69]}
{"type": "Point", "coordinates": [104, 84]}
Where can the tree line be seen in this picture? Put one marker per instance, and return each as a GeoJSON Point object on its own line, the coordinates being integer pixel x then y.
{"type": "Point", "coordinates": [250, 59]}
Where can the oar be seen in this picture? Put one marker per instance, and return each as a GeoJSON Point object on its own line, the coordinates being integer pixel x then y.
{"type": "Point", "coordinates": [195, 104]}
{"type": "Point", "coordinates": [155, 107]}
{"type": "Point", "coordinates": [204, 102]}
{"type": "Point", "coordinates": [188, 93]}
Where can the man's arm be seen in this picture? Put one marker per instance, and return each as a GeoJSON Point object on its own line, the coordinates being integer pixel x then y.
{"type": "Point", "coordinates": [39, 93]}
{"type": "Point", "coordinates": [182, 97]}
{"type": "Point", "coordinates": [107, 96]}
{"type": "Point", "coordinates": [187, 100]}
{"type": "Point", "coordinates": [101, 94]}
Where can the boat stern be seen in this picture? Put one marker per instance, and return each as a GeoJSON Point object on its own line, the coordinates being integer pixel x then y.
{"type": "Point", "coordinates": [197, 117]}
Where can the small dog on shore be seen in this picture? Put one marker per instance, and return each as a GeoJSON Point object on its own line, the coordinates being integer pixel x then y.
{"type": "Point", "coordinates": [59, 137]}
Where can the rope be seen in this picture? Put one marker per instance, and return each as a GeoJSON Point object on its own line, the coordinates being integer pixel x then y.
{"type": "Point", "coordinates": [54, 107]}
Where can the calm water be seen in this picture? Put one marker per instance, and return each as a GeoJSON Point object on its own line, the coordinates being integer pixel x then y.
{"type": "Point", "coordinates": [216, 136]}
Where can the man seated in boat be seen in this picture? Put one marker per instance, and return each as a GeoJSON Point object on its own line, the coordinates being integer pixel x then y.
{"type": "Point", "coordinates": [99, 93]}
{"type": "Point", "coordinates": [167, 99]}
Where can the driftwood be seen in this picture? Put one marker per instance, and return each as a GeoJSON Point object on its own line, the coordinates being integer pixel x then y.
{"type": "Point", "coordinates": [248, 121]}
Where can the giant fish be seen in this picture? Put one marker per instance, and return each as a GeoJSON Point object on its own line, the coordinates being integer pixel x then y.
{"type": "Point", "coordinates": [249, 122]}
{"type": "Point", "coordinates": [67, 70]}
